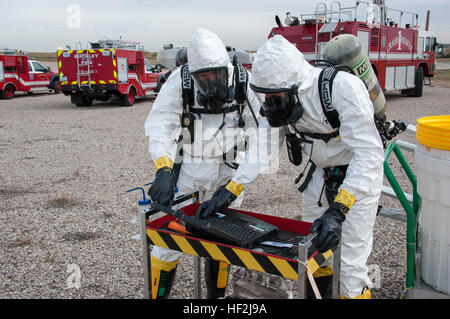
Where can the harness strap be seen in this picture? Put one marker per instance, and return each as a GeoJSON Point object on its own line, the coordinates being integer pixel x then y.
{"type": "Point", "coordinates": [325, 137]}
{"type": "Point", "coordinates": [241, 81]}
{"type": "Point", "coordinates": [326, 78]}
{"type": "Point", "coordinates": [187, 87]}
{"type": "Point", "coordinates": [308, 177]}
{"type": "Point", "coordinates": [228, 109]}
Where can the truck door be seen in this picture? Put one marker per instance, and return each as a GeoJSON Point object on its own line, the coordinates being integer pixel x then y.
{"type": "Point", "coordinates": [420, 47]}
{"type": "Point", "coordinates": [122, 68]}
{"type": "Point", "coordinates": [31, 72]}
{"type": "Point", "coordinates": [148, 70]}
{"type": "Point", "coordinates": [39, 72]}
{"type": "Point", "coordinates": [432, 55]}
{"type": "Point", "coordinates": [2, 72]}
{"type": "Point", "coordinates": [364, 39]}
{"type": "Point", "coordinates": [150, 75]}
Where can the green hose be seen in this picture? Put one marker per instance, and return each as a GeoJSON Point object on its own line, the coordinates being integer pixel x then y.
{"type": "Point", "coordinates": [411, 212]}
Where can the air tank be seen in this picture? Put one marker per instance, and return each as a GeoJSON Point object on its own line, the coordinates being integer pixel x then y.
{"type": "Point", "coordinates": [347, 50]}
{"type": "Point", "coordinates": [171, 57]}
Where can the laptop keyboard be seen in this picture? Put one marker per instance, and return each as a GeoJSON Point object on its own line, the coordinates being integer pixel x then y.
{"type": "Point", "coordinates": [238, 232]}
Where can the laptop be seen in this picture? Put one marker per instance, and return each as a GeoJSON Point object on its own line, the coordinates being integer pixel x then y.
{"type": "Point", "coordinates": [229, 227]}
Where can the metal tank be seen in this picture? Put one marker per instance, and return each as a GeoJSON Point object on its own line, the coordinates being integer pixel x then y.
{"type": "Point", "coordinates": [171, 57]}
{"type": "Point", "coordinates": [345, 49]}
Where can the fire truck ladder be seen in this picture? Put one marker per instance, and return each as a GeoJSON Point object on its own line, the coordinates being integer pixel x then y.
{"type": "Point", "coordinates": [81, 74]}
{"type": "Point", "coordinates": [330, 19]}
{"type": "Point", "coordinates": [318, 13]}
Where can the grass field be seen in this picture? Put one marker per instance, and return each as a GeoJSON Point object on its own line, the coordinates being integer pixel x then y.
{"type": "Point", "coordinates": [443, 75]}
{"type": "Point", "coordinates": [43, 56]}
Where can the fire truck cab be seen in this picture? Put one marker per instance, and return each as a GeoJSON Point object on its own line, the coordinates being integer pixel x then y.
{"type": "Point", "coordinates": [20, 74]}
{"type": "Point", "coordinates": [400, 54]}
{"type": "Point", "coordinates": [111, 68]}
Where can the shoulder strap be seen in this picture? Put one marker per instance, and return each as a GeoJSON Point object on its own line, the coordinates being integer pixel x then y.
{"type": "Point", "coordinates": [320, 136]}
{"type": "Point", "coordinates": [326, 78]}
{"type": "Point", "coordinates": [187, 86]}
{"type": "Point", "coordinates": [241, 81]}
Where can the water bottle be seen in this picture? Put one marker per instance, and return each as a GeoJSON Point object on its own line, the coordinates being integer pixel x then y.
{"type": "Point", "coordinates": [143, 205]}
{"type": "Point", "coordinates": [143, 208]}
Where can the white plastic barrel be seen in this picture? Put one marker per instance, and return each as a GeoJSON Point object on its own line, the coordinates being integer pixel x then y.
{"type": "Point", "coordinates": [432, 158]}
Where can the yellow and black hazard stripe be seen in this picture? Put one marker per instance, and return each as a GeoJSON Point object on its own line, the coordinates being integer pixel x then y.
{"type": "Point", "coordinates": [261, 262]}
{"type": "Point", "coordinates": [317, 259]}
{"type": "Point", "coordinates": [232, 255]}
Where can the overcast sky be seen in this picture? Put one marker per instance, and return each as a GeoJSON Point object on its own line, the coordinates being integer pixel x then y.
{"type": "Point", "coordinates": [45, 25]}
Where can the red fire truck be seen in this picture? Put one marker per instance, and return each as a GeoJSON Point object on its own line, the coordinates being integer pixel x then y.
{"type": "Point", "coordinates": [109, 69]}
{"type": "Point", "coordinates": [20, 74]}
{"type": "Point", "coordinates": [400, 54]}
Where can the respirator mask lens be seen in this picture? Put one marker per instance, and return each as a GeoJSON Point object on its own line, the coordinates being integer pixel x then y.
{"type": "Point", "coordinates": [277, 107]}
{"type": "Point", "coordinates": [281, 106]}
{"type": "Point", "coordinates": [277, 103]}
{"type": "Point", "coordinates": [212, 83]}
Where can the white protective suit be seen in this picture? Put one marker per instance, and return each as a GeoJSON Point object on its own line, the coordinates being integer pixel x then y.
{"type": "Point", "coordinates": [279, 64]}
{"type": "Point", "coordinates": [203, 168]}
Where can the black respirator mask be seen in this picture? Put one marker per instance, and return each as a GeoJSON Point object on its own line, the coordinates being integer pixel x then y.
{"type": "Point", "coordinates": [281, 108]}
{"type": "Point", "coordinates": [213, 91]}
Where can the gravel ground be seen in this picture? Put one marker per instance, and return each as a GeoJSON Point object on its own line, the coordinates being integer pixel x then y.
{"type": "Point", "coordinates": [64, 172]}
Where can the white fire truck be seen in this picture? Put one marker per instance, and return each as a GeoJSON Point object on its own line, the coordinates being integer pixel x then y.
{"type": "Point", "coordinates": [20, 74]}
{"type": "Point", "coordinates": [400, 54]}
{"type": "Point", "coordinates": [111, 68]}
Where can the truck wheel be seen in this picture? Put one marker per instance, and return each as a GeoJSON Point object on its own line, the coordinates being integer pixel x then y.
{"type": "Point", "coordinates": [128, 99]}
{"type": "Point", "coordinates": [85, 101]}
{"type": "Point", "coordinates": [418, 82]}
{"type": "Point", "coordinates": [8, 92]}
{"type": "Point", "coordinates": [55, 87]}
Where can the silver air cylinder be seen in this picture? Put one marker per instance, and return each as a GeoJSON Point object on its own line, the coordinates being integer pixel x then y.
{"type": "Point", "coordinates": [347, 50]}
{"type": "Point", "coordinates": [171, 58]}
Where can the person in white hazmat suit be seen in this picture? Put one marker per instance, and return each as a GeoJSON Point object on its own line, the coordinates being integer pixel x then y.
{"type": "Point", "coordinates": [353, 156]}
{"type": "Point", "coordinates": [219, 126]}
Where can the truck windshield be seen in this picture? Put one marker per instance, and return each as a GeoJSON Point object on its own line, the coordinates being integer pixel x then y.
{"type": "Point", "coordinates": [38, 67]}
{"type": "Point", "coordinates": [148, 66]}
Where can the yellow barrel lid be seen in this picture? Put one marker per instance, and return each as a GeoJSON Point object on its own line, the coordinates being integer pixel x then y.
{"type": "Point", "coordinates": [434, 131]}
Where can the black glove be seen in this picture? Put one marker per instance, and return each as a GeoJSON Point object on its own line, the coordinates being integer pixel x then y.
{"type": "Point", "coordinates": [221, 199]}
{"type": "Point", "coordinates": [328, 227]}
{"type": "Point", "coordinates": [161, 190]}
